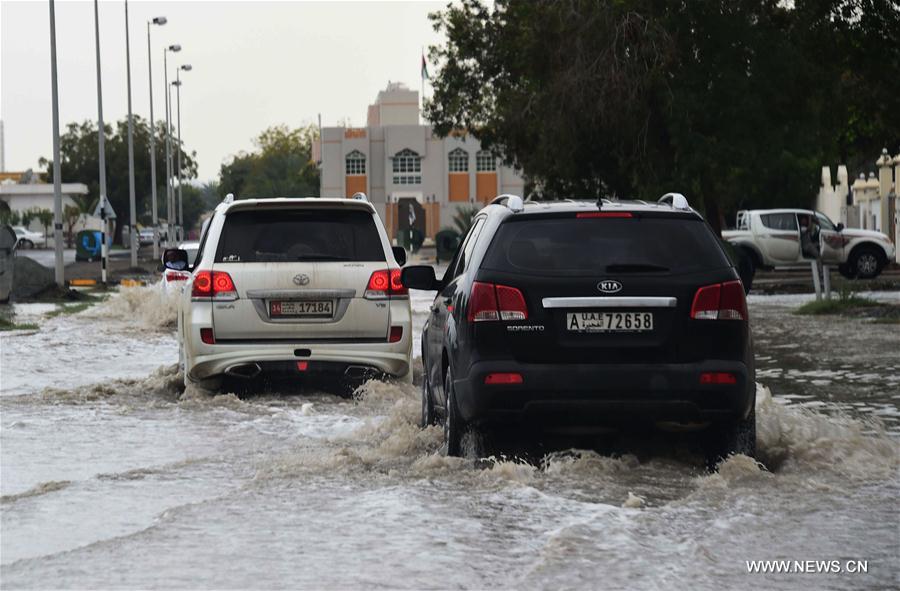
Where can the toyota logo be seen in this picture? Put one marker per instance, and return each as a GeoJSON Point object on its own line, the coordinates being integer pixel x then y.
{"type": "Point", "coordinates": [301, 279]}
{"type": "Point", "coordinates": [609, 286]}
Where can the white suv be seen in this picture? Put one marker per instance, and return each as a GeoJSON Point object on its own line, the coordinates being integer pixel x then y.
{"type": "Point", "coordinates": [301, 288]}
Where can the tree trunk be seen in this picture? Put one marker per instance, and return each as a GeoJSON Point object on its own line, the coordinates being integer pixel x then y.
{"type": "Point", "coordinates": [713, 214]}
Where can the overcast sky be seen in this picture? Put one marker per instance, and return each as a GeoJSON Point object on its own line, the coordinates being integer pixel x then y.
{"type": "Point", "coordinates": [255, 64]}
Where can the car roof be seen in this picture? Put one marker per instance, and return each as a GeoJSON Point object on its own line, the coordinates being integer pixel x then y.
{"type": "Point", "coordinates": [581, 205]}
{"type": "Point", "coordinates": [290, 202]}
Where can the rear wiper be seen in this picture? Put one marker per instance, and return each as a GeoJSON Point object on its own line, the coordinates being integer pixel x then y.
{"type": "Point", "coordinates": [636, 268]}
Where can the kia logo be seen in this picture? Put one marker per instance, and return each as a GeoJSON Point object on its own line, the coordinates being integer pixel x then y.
{"type": "Point", "coordinates": [609, 286]}
{"type": "Point", "coordinates": [301, 279]}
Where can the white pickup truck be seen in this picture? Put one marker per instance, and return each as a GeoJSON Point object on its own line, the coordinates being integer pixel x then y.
{"type": "Point", "coordinates": [770, 238]}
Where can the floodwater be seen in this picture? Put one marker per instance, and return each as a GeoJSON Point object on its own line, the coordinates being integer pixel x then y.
{"type": "Point", "coordinates": [112, 476]}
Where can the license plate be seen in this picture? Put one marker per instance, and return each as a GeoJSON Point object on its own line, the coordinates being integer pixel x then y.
{"type": "Point", "coordinates": [609, 321]}
{"type": "Point", "coordinates": [304, 308]}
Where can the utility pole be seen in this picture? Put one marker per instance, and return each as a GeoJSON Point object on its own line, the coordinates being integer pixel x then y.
{"type": "Point", "coordinates": [133, 236]}
{"type": "Point", "coordinates": [57, 181]}
{"type": "Point", "coordinates": [101, 146]}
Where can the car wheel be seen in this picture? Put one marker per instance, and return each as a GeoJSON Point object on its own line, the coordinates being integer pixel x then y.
{"type": "Point", "coordinates": [866, 263]}
{"type": "Point", "coordinates": [454, 428]}
{"type": "Point", "coordinates": [736, 437]}
{"type": "Point", "coordinates": [428, 418]}
{"type": "Point", "coordinates": [25, 243]}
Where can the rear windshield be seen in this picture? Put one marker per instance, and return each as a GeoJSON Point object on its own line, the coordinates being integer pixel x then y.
{"type": "Point", "coordinates": [566, 246]}
{"type": "Point", "coordinates": [274, 236]}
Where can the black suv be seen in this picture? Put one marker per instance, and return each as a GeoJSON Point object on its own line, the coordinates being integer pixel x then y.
{"type": "Point", "coordinates": [577, 315]}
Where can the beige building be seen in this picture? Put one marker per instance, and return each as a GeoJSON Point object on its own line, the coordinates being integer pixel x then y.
{"type": "Point", "coordinates": [411, 176]}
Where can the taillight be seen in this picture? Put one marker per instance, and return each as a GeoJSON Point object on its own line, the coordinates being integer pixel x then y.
{"type": "Point", "coordinates": [385, 284]}
{"type": "Point", "coordinates": [396, 334]}
{"type": "Point", "coordinates": [207, 336]}
{"type": "Point", "coordinates": [490, 302]}
{"type": "Point", "coordinates": [176, 276]}
{"type": "Point", "coordinates": [483, 303]}
{"type": "Point", "coordinates": [721, 301]}
{"type": "Point", "coordinates": [213, 284]}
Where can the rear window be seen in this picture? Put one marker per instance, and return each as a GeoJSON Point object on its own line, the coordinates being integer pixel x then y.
{"type": "Point", "coordinates": [275, 236]}
{"type": "Point", "coordinates": [566, 246]}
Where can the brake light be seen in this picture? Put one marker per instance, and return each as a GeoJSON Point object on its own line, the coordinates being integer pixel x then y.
{"type": "Point", "coordinates": [511, 303]}
{"type": "Point", "coordinates": [503, 378]}
{"type": "Point", "coordinates": [302, 365]}
{"type": "Point", "coordinates": [483, 303]}
{"type": "Point", "coordinates": [176, 276]}
{"type": "Point", "coordinates": [720, 301]}
{"type": "Point", "coordinates": [385, 284]}
{"type": "Point", "coordinates": [604, 214]}
{"type": "Point", "coordinates": [213, 284]}
{"type": "Point", "coordinates": [717, 377]}
{"type": "Point", "coordinates": [396, 334]}
{"type": "Point", "coordinates": [207, 336]}
{"type": "Point", "coordinates": [490, 302]}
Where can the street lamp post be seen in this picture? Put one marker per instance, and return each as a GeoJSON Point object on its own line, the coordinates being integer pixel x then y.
{"type": "Point", "coordinates": [57, 188]}
{"type": "Point", "coordinates": [170, 205]}
{"type": "Point", "coordinates": [186, 68]}
{"type": "Point", "coordinates": [131, 199]}
{"type": "Point", "coordinates": [160, 20]}
{"type": "Point", "coordinates": [101, 146]}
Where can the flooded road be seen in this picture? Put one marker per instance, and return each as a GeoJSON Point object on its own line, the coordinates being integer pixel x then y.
{"type": "Point", "coordinates": [113, 476]}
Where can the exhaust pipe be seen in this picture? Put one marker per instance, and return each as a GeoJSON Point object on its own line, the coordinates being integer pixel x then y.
{"type": "Point", "coordinates": [244, 370]}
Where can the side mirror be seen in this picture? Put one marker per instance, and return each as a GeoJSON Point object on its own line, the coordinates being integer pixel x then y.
{"type": "Point", "coordinates": [419, 277]}
{"type": "Point", "coordinates": [839, 227]}
{"type": "Point", "coordinates": [175, 259]}
{"type": "Point", "coordinates": [399, 254]}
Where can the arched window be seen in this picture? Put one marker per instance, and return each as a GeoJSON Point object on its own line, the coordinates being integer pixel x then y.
{"type": "Point", "coordinates": [458, 160]}
{"type": "Point", "coordinates": [485, 162]}
{"type": "Point", "coordinates": [407, 167]}
{"type": "Point", "coordinates": [356, 162]}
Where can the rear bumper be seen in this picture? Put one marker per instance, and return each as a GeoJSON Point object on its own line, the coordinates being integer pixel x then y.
{"type": "Point", "coordinates": [389, 358]}
{"type": "Point", "coordinates": [597, 396]}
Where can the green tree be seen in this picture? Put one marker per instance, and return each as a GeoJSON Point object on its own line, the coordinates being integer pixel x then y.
{"type": "Point", "coordinates": [45, 218]}
{"type": "Point", "coordinates": [733, 102]}
{"type": "Point", "coordinates": [280, 166]}
{"type": "Point", "coordinates": [80, 163]}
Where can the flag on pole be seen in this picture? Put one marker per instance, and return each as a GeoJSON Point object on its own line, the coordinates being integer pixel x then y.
{"type": "Point", "coordinates": [425, 75]}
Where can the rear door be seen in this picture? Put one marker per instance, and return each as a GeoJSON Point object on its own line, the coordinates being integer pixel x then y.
{"type": "Point", "coordinates": [301, 274]}
{"type": "Point", "coordinates": [604, 289]}
{"type": "Point", "coordinates": [779, 237]}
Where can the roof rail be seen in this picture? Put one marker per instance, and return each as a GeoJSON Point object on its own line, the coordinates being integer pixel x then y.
{"type": "Point", "coordinates": [675, 201]}
{"type": "Point", "coordinates": [228, 198]}
{"type": "Point", "coordinates": [513, 202]}
{"type": "Point", "coordinates": [360, 196]}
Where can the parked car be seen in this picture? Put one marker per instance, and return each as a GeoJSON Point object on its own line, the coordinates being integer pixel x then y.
{"type": "Point", "coordinates": [172, 279]}
{"type": "Point", "coordinates": [145, 236]}
{"type": "Point", "coordinates": [771, 239]}
{"type": "Point", "coordinates": [29, 239]}
{"type": "Point", "coordinates": [297, 288]}
{"type": "Point", "coordinates": [588, 316]}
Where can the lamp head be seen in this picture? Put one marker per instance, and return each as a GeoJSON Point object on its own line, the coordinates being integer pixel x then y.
{"type": "Point", "coordinates": [187, 67]}
{"type": "Point", "coordinates": [175, 48]}
{"type": "Point", "coordinates": [159, 20]}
